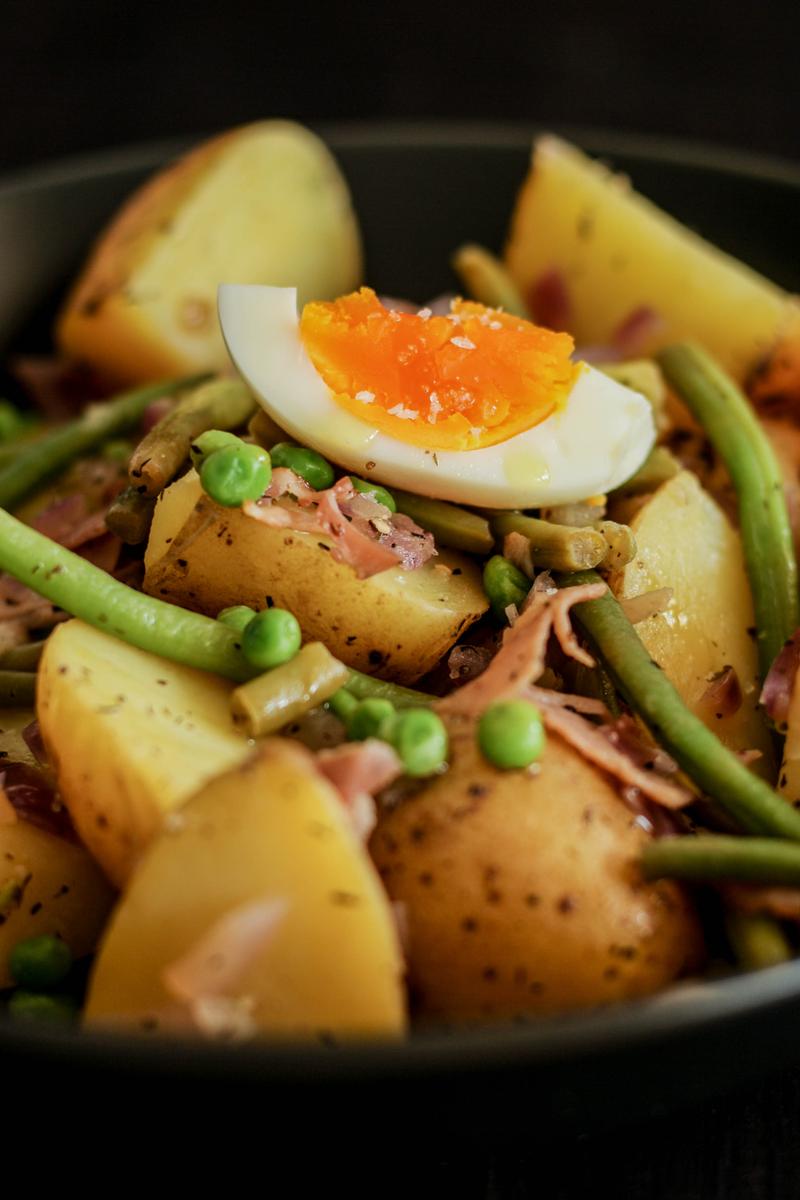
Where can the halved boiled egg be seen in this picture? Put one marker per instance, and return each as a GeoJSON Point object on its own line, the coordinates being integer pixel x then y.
{"type": "Point", "coordinates": [475, 406]}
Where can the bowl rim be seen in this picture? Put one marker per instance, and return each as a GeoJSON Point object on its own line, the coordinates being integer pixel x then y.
{"type": "Point", "coordinates": [677, 1013]}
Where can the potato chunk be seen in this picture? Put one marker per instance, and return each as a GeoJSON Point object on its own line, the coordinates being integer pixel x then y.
{"type": "Point", "coordinates": [273, 829]}
{"type": "Point", "coordinates": [265, 203]}
{"type": "Point", "coordinates": [48, 885]}
{"type": "Point", "coordinates": [522, 893]}
{"type": "Point", "coordinates": [396, 624]}
{"type": "Point", "coordinates": [131, 737]}
{"type": "Point", "coordinates": [685, 542]}
{"type": "Point", "coordinates": [618, 253]}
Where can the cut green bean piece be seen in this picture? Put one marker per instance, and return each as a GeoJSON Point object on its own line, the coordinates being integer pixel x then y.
{"type": "Point", "coordinates": [22, 658]}
{"type": "Point", "coordinates": [555, 547]}
{"type": "Point", "coordinates": [714, 768]}
{"type": "Point", "coordinates": [737, 436]}
{"type": "Point", "coordinates": [17, 689]}
{"type": "Point", "coordinates": [487, 280]}
{"type": "Point", "coordinates": [217, 404]}
{"type": "Point", "coordinates": [266, 704]}
{"type": "Point", "coordinates": [659, 467]}
{"type": "Point", "coordinates": [449, 524]}
{"type": "Point", "coordinates": [56, 450]}
{"type": "Point", "coordinates": [717, 856]}
{"type": "Point", "coordinates": [130, 516]}
{"type": "Point", "coordinates": [757, 941]}
{"type": "Point", "coordinates": [85, 591]}
{"type": "Point", "coordinates": [621, 545]}
{"type": "Point", "coordinates": [363, 686]}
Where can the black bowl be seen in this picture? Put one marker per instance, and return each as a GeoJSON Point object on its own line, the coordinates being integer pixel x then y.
{"type": "Point", "coordinates": [420, 191]}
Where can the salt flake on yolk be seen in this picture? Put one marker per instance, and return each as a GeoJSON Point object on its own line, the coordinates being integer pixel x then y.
{"type": "Point", "coordinates": [470, 379]}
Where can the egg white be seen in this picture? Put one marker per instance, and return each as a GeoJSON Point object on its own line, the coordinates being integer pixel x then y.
{"type": "Point", "coordinates": [595, 442]}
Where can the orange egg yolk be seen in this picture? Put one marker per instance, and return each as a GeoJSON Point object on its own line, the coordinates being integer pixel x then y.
{"type": "Point", "coordinates": [469, 379]}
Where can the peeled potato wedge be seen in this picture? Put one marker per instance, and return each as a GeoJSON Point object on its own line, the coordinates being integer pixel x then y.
{"type": "Point", "coordinates": [396, 624]}
{"type": "Point", "coordinates": [48, 885]}
{"type": "Point", "coordinates": [264, 203]}
{"type": "Point", "coordinates": [617, 252]}
{"type": "Point", "coordinates": [131, 737]}
{"type": "Point", "coordinates": [521, 891]}
{"type": "Point", "coordinates": [685, 542]}
{"type": "Point", "coordinates": [272, 829]}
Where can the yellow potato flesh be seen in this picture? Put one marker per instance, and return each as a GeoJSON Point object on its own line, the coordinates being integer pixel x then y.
{"type": "Point", "coordinates": [617, 252]}
{"type": "Point", "coordinates": [521, 890]}
{"type": "Point", "coordinates": [131, 736]}
{"type": "Point", "coordinates": [789, 780]}
{"type": "Point", "coordinates": [272, 828]}
{"type": "Point", "coordinates": [48, 885]}
{"type": "Point", "coordinates": [397, 624]}
{"type": "Point", "coordinates": [265, 203]}
{"type": "Point", "coordinates": [685, 542]}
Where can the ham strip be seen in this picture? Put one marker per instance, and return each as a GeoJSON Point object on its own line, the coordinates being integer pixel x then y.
{"type": "Point", "coordinates": [520, 662]}
{"type": "Point", "coordinates": [776, 694]}
{"type": "Point", "coordinates": [777, 901]}
{"type": "Point", "coordinates": [208, 977]}
{"type": "Point", "coordinates": [368, 545]}
{"type": "Point", "coordinates": [358, 770]}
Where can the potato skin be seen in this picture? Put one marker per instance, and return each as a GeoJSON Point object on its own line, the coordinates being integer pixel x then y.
{"type": "Point", "coordinates": [521, 890]}
{"type": "Point", "coordinates": [397, 624]}
{"type": "Point", "coordinates": [61, 891]}
{"type": "Point", "coordinates": [263, 203]}
{"type": "Point", "coordinates": [617, 252]}
{"type": "Point", "coordinates": [272, 828]}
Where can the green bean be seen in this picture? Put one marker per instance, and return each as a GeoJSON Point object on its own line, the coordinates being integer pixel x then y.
{"type": "Point", "coordinates": [757, 941]}
{"type": "Point", "coordinates": [486, 279]}
{"type": "Point", "coordinates": [735, 432]}
{"type": "Point", "coordinates": [85, 591]}
{"type": "Point", "coordinates": [17, 689]}
{"type": "Point", "coordinates": [621, 545]}
{"type": "Point", "coordinates": [556, 547]}
{"type": "Point", "coordinates": [718, 856]}
{"type": "Point", "coordinates": [57, 449]}
{"type": "Point", "coordinates": [714, 768]}
{"type": "Point", "coordinates": [362, 686]}
{"type": "Point", "coordinates": [449, 524]}
{"type": "Point", "coordinates": [130, 516]}
{"type": "Point", "coordinates": [22, 658]}
{"type": "Point", "coordinates": [659, 467]}
{"type": "Point", "coordinates": [217, 404]}
{"type": "Point", "coordinates": [504, 585]}
{"type": "Point", "coordinates": [12, 421]}
{"type": "Point", "coordinates": [283, 694]}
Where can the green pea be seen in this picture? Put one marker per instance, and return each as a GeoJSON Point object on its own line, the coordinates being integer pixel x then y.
{"type": "Point", "coordinates": [316, 470]}
{"type": "Point", "coordinates": [376, 491]}
{"type": "Point", "coordinates": [504, 584]}
{"type": "Point", "coordinates": [420, 739]}
{"type": "Point", "coordinates": [40, 962]}
{"type": "Point", "coordinates": [271, 638]}
{"type": "Point", "coordinates": [237, 617]}
{"type": "Point", "coordinates": [236, 473]}
{"type": "Point", "coordinates": [12, 421]}
{"type": "Point", "coordinates": [511, 734]}
{"type": "Point", "coordinates": [38, 1006]}
{"type": "Point", "coordinates": [370, 718]}
{"type": "Point", "coordinates": [342, 704]}
{"type": "Point", "coordinates": [208, 442]}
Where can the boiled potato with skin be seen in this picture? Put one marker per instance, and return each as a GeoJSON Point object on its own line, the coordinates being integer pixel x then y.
{"type": "Point", "coordinates": [272, 829]}
{"type": "Point", "coordinates": [617, 253]}
{"type": "Point", "coordinates": [685, 542]}
{"type": "Point", "coordinates": [131, 736]}
{"type": "Point", "coordinates": [48, 885]}
{"type": "Point", "coordinates": [265, 203]}
{"type": "Point", "coordinates": [396, 624]}
{"type": "Point", "coordinates": [521, 890]}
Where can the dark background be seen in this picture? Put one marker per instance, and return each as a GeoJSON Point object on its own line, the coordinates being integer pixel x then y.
{"type": "Point", "coordinates": [86, 74]}
{"type": "Point", "coordinates": [81, 75]}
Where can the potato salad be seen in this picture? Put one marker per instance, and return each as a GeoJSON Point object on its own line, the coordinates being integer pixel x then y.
{"type": "Point", "coordinates": [371, 663]}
